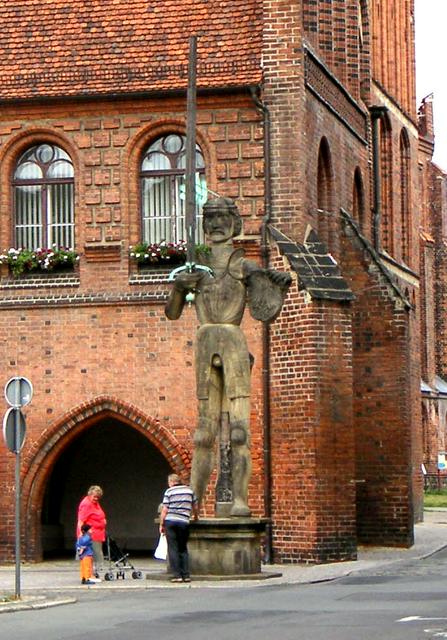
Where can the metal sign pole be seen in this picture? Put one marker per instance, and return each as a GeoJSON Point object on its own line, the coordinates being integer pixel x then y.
{"type": "Point", "coordinates": [17, 483]}
{"type": "Point", "coordinates": [18, 393]}
{"type": "Point", "coordinates": [17, 523]}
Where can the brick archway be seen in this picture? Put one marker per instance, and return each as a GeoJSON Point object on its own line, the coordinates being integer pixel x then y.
{"type": "Point", "coordinates": [39, 463]}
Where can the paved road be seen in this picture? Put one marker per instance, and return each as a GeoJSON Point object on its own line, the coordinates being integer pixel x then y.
{"type": "Point", "coordinates": [405, 601]}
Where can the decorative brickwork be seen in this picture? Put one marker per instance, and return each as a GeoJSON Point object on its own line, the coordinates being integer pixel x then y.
{"type": "Point", "coordinates": [321, 82]}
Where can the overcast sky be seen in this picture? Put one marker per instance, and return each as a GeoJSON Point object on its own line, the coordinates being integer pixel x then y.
{"type": "Point", "coordinates": [431, 61]}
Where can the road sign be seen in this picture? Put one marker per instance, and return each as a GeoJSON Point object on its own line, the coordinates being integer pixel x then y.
{"type": "Point", "coordinates": [18, 391]}
{"type": "Point", "coordinates": [14, 429]}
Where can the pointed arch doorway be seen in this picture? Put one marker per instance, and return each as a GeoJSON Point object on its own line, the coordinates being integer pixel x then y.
{"type": "Point", "coordinates": [108, 442]}
{"type": "Point", "coordinates": [129, 468]}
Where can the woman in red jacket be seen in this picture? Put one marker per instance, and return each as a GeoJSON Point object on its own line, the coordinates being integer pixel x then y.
{"type": "Point", "coordinates": [90, 512]}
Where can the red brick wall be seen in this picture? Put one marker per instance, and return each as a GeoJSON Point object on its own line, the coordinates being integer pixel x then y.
{"type": "Point", "coordinates": [312, 436]}
{"type": "Point", "coordinates": [384, 398]}
{"type": "Point", "coordinates": [333, 30]}
{"type": "Point", "coordinates": [104, 335]}
{"type": "Point", "coordinates": [328, 432]}
{"type": "Point", "coordinates": [393, 50]}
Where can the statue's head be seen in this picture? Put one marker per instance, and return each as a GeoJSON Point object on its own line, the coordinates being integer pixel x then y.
{"type": "Point", "coordinates": [221, 219]}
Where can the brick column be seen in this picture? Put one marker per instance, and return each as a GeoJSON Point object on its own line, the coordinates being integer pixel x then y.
{"type": "Point", "coordinates": [313, 449]}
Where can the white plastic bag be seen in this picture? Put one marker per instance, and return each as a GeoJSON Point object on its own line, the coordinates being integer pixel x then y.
{"type": "Point", "coordinates": [161, 552]}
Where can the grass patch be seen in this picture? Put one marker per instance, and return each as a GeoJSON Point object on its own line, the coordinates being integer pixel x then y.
{"type": "Point", "coordinates": [6, 598]}
{"type": "Point", "coordinates": [435, 498]}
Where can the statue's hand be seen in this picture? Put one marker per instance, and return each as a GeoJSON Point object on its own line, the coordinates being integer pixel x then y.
{"type": "Point", "coordinates": [280, 278]}
{"type": "Point", "coordinates": [186, 281]}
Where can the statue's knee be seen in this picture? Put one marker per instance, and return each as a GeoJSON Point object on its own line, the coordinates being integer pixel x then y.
{"type": "Point", "coordinates": [203, 437]}
{"type": "Point", "coordinates": [238, 433]}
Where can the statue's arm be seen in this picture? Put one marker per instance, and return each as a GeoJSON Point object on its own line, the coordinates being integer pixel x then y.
{"type": "Point", "coordinates": [282, 279]}
{"type": "Point", "coordinates": [174, 305]}
{"type": "Point", "coordinates": [183, 284]}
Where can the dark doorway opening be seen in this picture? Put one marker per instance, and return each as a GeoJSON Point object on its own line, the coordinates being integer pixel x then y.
{"type": "Point", "coordinates": [132, 473]}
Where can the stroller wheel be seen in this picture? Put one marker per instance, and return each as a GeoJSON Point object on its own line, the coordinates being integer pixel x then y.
{"type": "Point", "coordinates": [137, 575]}
{"type": "Point", "coordinates": [109, 576]}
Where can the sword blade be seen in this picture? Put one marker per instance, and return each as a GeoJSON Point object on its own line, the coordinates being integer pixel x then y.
{"type": "Point", "coordinates": [190, 179]}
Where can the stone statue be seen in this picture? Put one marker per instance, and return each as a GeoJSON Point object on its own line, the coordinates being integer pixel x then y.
{"type": "Point", "coordinates": [222, 356]}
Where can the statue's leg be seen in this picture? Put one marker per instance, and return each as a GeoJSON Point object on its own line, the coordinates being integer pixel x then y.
{"type": "Point", "coordinates": [205, 436]}
{"type": "Point", "coordinates": [240, 452]}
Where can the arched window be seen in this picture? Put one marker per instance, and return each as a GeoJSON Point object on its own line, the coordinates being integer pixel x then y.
{"type": "Point", "coordinates": [162, 176]}
{"type": "Point", "coordinates": [325, 198]}
{"type": "Point", "coordinates": [358, 198]}
{"type": "Point", "coordinates": [404, 149]}
{"type": "Point", "coordinates": [386, 175]}
{"type": "Point", "coordinates": [324, 178]}
{"type": "Point", "coordinates": [43, 186]}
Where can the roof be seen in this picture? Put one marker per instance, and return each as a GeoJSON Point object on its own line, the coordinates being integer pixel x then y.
{"type": "Point", "coordinates": [375, 258]}
{"type": "Point", "coordinates": [441, 385]}
{"type": "Point", "coordinates": [52, 48]}
{"type": "Point", "coordinates": [317, 271]}
{"type": "Point", "coordinates": [425, 388]}
{"type": "Point", "coordinates": [439, 389]}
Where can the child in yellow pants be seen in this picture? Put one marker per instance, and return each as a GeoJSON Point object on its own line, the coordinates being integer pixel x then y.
{"type": "Point", "coordinates": [84, 548]}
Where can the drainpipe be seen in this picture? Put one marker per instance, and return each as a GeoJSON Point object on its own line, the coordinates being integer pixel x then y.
{"type": "Point", "coordinates": [262, 108]}
{"type": "Point", "coordinates": [376, 113]}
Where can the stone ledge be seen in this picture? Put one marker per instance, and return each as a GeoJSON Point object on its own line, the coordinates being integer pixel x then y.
{"type": "Point", "coordinates": [42, 281]}
{"type": "Point", "coordinates": [163, 577]}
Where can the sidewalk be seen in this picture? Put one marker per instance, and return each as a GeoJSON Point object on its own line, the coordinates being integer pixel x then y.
{"type": "Point", "coordinates": [54, 583]}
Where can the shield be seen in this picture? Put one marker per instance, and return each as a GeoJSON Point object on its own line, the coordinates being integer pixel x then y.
{"type": "Point", "coordinates": [265, 298]}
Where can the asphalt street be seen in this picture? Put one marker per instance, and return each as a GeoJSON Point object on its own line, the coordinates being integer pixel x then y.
{"type": "Point", "coordinates": [388, 593]}
{"type": "Point", "coordinates": [405, 601]}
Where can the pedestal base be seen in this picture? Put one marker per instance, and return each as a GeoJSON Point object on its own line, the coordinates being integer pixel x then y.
{"type": "Point", "coordinates": [226, 546]}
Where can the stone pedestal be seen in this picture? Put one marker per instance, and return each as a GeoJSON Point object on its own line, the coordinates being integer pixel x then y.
{"type": "Point", "coordinates": [227, 547]}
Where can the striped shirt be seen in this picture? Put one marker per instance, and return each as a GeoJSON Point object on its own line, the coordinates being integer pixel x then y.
{"type": "Point", "coordinates": [179, 501]}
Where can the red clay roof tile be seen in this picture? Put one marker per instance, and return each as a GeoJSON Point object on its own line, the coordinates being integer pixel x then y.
{"type": "Point", "coordinates": [52, 48]}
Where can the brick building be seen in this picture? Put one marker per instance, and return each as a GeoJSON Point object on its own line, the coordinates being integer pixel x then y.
{"type": "Point", "coordinates": [433, 185]}
{"type": "Point", "coordinates": [307, 118]}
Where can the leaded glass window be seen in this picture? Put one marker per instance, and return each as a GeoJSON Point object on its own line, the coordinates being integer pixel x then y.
{"type": "Point", "coordinates": [43, 187]}
{"type": "Point", "coordinates": [163, 190]}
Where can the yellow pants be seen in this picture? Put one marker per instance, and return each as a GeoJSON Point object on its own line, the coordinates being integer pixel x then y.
{"type": "Point", "coordinates": [86, 567]}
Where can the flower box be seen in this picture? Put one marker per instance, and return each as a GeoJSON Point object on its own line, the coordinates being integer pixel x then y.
{"type": "Point", "coordinates": [38, 261]}
{"type": "Point", "coordinates": [162, 254]}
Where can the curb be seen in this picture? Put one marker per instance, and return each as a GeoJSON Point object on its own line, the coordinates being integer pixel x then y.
{"type": "Point", "coordinates": [30, 606]}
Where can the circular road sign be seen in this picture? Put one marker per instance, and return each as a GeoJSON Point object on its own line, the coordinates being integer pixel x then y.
{"type": "Point", "coordinates": [18, 392]}
{"type": "Point", "coordinates": [14, 420]}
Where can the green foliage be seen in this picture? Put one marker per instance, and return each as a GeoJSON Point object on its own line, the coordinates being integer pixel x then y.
{"type": "Point", "coordinates": [435, 498]}
{"type": "Point", "coordinates": [22, 261]}
{"type": "Point", "coordinates": [202, 251]}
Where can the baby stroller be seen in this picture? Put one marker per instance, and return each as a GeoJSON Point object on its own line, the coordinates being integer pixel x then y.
{"type": "Point", "coordinates": [119, 563]}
